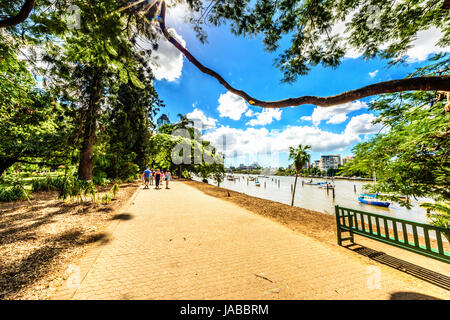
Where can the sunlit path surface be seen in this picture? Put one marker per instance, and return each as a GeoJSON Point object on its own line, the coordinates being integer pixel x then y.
{"type": "Point", "coordinates": [183, 244]}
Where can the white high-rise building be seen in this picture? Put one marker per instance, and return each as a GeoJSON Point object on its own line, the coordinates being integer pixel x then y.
{"type": "Point", "coordinates": [329, 161]}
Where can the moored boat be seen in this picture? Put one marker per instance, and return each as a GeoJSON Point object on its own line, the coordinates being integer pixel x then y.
{"type": "Point", "coordinates": [372, 199]}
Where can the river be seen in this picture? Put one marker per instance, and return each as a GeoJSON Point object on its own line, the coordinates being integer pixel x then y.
{"type": "Point", "coordinates": [313, 198]}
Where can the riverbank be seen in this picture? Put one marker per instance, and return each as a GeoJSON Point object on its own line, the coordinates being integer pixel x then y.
{"type": "Point", "coordinates": [39, 242]}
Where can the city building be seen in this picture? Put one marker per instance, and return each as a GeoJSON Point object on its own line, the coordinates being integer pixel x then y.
{"type": "Point", "coordinates": [329, 161]}
{"type": "Point", "coordinates": [315, 164]}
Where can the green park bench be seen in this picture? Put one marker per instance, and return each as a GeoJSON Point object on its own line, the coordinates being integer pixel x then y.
{"type": "Point", "coordinates": [392, 231]}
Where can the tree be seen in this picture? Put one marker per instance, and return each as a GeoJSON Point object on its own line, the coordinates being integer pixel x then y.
{"type": "Point", "coordinates": [85, 74]}
{"type": "Point", "coordinates": [411, 158]}
{"type": "Point", "coordinates": [184, 122]}
{"type": "Point", "coordinates": [34, 128]}
{"type": "Point", "coordinates": [301, 158]}
{"type": "Point", "coordinates": [310, 22]}
{"type": "Point", "coordinates": [374, 24]}
{"type": "Point", "coordinates": [127, 122]}
{"type": "Point", "coordinates": [441, 215]}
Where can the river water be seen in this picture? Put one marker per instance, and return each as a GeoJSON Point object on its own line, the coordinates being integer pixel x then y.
{"type": "Point", "coordinates": [313, 198]}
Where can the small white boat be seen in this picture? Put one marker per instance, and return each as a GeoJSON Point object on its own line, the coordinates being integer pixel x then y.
{"type": "Point", "coordinates": [326, 186]}
{"type": "Point", "coordinates": [257, 184]}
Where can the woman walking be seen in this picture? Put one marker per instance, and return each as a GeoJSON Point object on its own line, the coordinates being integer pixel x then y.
{"type": "Point", "coordinates": [157, 178]}
{"type": "Point", "coordinates": [168, 176]}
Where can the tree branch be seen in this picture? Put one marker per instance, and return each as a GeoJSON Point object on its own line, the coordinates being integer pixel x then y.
{"type": "Point", "coordinates": [20, 17]}
{"type": "Point", "coordinates": [441, 83]}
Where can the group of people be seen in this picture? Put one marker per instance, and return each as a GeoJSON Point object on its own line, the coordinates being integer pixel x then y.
{"type": "Point", "coordinates": [158, 176]}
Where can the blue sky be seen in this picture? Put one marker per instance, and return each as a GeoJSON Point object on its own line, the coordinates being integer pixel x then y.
{"type": "Point", "coordinates": [250, 133]}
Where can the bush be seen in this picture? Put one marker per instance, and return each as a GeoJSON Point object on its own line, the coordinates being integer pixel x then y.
{"type": "Point", "coordinates": [13, 193]}
{"type": "Point", "coordinates": [186, 174]}
{"type": "Point", "coordinates": [107, 197]}
{"type": "Point", "coordinates": [48, 183]}
{"type": "Point", "coordinates": [114, 189]}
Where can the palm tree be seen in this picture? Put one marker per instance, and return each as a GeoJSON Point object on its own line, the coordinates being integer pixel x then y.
{"type": "Point", "coordinates": [184, 122]}
{"type": "Point", "coordinates": [300, 157]}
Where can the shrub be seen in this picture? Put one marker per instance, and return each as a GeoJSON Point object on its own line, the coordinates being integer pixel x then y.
{"type": "Point", "coordinates": [106, 198]}
{"type": "Point", "coordinates": [48, 183]}
{"type": "Point", "coordinates": [186, 174]}
{"type": "Point", "coordinates": [114, 189]}
{"type": "Point", "coordinates": [13, 193]}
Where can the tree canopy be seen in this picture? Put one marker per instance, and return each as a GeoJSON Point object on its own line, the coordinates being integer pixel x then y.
{"type": "Point", "coordinates": [411, 155]}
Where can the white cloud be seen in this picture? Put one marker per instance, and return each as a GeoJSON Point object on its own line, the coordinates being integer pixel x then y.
{"type": "Point", "coordinates": [425, 44]}
{"type": "Point", "coordinates": [249, 113]}
{"type": "Point", "coordinates": [250, 141]}
{"type": "Point", "coordinates": [201, 121]}
{"type": "Point", "coordinates": [362, 124]}
{"type": "Point", "coordinates": [373, 74]}
{"type": "Point", "coordinates": [231, 106]}
{"type": "Point", "coordinates": [265, 117]}
{"type": "Point", "coordinates": [168, 61]}
{"type": "Point", "coordinates": [334, 115]}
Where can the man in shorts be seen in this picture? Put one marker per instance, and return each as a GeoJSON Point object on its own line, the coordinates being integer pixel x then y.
{"type": "Point", "coordinates": [147, 174]}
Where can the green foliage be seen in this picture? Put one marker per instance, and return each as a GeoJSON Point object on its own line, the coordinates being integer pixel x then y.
{"type": "Point", "coordinates": [218, 177]}
{"type": "Point", "coordinates": [12, 189]}
{"type": "Point", "coordinates": [114, 189]}
{"type": "Point", "coordinates": [300, 156]}
{"type": "Point", "coordinates": [106, 198]}
{"type": "Point", "coordinates": [411, 156]}
{"type": "Point", "coordinates": [186, 174]}
{"type": "Point", "coordinates": [32, 124]}
{"type": "Point", "coordinates": [47, 183]}
{"type": "Point", "coordinates": [439, 215]}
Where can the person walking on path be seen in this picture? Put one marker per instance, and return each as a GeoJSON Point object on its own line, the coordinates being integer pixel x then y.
{"type": "Point", "coordinates": [157, 178]}
{"type": "Point", "coordinates": [147, 174]}
{"type": "Point", "coordinates": [152, 176]}
{"type": "Point", "coordinates": [168, 176]}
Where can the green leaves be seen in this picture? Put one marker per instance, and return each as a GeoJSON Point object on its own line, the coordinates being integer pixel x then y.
{"type": "Point", "coordinates": [111, 49]}
{"type": "Point", "coordinates": [412, 157]}
{"type": "Point", "coordinates": [135, 80]}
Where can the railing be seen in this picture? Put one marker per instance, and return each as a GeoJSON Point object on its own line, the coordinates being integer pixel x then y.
{"type": "Point", "coordinates": [392, 231]}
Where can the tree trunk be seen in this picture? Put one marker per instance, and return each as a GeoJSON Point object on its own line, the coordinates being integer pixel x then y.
{"type": "Point", "coordinates": [5, 163]}
{"type": "Point", "coordinates": [90, 126]}
{"type": "Point", "coordinates": [295, 185]}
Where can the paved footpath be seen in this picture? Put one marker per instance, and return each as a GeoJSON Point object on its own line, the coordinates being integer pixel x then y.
{"type": "Point", "coordinates": [183, 244]}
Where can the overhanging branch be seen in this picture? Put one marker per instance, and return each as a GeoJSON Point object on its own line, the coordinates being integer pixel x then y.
{"type": "Point", "coordinates": [439, 83]}
{"type": "Point", "coordinates": [20, 17]}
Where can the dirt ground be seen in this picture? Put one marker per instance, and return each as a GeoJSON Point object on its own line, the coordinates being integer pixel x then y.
{"type": "Point", "coordinates": [39, 242]}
